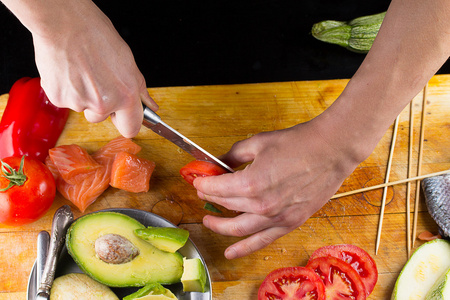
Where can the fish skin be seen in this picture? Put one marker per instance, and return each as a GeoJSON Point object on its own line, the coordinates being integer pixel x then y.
{"type": "Point", "coordinates": [437, 199]}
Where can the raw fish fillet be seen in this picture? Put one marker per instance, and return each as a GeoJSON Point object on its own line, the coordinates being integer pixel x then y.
{"type": "Point", "coordinates": [131, 173]}
{"type": "Point", "coordinates": [437, 198]}
{"type": "Point", "coordinates": [73, 162]}
{"type": "Point", "coordinates": [85, 192]}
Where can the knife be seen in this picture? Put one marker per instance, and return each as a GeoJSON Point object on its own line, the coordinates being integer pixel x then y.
{"type": "Point", "coordinates": [154, 122]}
{"type": "Point", "coordinates": [61, 221]}
{"type": "Point", "coordinates": [43, 242]}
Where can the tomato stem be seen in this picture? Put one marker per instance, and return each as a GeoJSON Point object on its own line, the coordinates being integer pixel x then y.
{"type": "Point", "coordinates": [14, 177]}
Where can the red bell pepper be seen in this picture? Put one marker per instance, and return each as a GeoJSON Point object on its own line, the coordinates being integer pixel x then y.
{"type": "Point", "coordinates": [30, 124]}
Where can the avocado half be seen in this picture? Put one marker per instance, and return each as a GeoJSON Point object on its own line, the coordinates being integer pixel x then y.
{"type": "Point", "coordinates": [150, 265]}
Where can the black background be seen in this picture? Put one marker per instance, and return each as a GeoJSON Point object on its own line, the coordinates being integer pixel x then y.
{"type": "Point", "coordinates": [178, 43]}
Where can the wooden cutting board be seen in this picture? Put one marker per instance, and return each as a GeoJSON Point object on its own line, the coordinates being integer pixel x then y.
{"type": "Point", "coordinates": [215, 117]}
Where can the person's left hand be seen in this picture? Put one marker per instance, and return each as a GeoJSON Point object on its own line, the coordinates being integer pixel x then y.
{"type": "Point", "coordinates": [293, 173]}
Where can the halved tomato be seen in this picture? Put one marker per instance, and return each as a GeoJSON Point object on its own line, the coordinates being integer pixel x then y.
{"type": "Point", "coordinates": [359, 259]}
{"type": "Point", "coordinates": [340, 279]}
{"type": "Point", "coordinates": [199, 168]}
{"type": "Point", "coordinates": [292, 283]}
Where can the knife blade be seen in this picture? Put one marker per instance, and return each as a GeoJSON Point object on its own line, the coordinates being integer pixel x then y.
{"type": "Point", "coordinates": [154, 122]}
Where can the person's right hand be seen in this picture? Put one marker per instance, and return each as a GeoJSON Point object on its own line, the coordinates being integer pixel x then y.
{"type": "Point", "coordinates": [85, 65]}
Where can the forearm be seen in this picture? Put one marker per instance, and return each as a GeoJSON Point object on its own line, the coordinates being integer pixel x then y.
{"type": "Point", "coordinates": [413, 43]}
{"type": "Point", "coordinates": [53, 18]}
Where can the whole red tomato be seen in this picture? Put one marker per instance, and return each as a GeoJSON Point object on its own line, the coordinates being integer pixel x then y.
{"type": "Point", "coordinates": [27, 190]}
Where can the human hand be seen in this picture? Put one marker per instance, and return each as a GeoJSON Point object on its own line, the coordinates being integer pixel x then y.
{"type": "Point", "coordinates": [85, 65]}
{"type": "Point", "coordinates": [293, 173]}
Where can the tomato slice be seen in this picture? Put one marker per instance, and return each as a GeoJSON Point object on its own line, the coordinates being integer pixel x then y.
{"type": "Point", "coordinates": [199, 168]}
{"type": "Point", "coordinates": [359, 259]}
{"type": "Point", "coordinates": [292, 283]}
{"type": "Point", "coordinates": [340, 279]}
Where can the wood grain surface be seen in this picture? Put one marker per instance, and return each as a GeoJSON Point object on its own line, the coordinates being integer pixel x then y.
{"type": "Point", "coordinates": [215, 117]}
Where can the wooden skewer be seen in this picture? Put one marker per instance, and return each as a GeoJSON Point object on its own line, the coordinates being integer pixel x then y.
{"type": "Point", "coordinates": [388, 171]}
{"type": "Point", "coordinates": [419, 165]}
{"type": "Point", "coordinates": [408, 185]}
{"type": "Point", "coordinates": [379, 186]}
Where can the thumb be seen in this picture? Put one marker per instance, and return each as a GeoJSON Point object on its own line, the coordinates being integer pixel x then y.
{"type": "Point", "coordinates": [241, 152]}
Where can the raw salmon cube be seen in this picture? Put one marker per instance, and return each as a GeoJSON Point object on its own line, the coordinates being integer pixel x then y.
{"type": "Point", "coordinates": [106, 154]}
{"type": "Point", "coordinates": [131, 173]}
{"type": "Point", "coordinates": [85, 192]}
{"type": "Point", "coordinates": [73, 162]}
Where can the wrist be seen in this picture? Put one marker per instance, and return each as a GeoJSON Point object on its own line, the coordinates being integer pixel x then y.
{"type": "Point", "coordinates": [53, 19]}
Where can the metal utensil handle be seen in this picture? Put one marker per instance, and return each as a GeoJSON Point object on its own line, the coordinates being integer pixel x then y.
{"type": "Point", "coordinates": [150, 117]}
{"type": "Point", "coordinates": [43, 240]}
{"type": "Point", "coordinates": [61, 221]}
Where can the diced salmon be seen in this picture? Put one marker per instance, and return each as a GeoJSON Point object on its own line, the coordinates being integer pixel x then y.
{"type": "Point", "coordinates": [51, 166]}
{"type": "Point", "coordinates": [87, 182]}
{"type": "Point", "coordinates": [106, 154]}
{"type": "Point", "coordinates": [84, 193]}
{"type": "Point", "coordinates": [73, 162]}
{"type": "Point", "coordinates": [131, 173]}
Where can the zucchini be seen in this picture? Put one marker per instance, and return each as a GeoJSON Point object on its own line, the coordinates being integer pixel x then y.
{"type": "Point", "coordinates": [423, 269]}
{"type": "Point", "coordinates": [440, 289]}
{"type": "Point", "coordinates": [356, 35]}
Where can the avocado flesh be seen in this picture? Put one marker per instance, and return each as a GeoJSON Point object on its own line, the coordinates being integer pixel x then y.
{"type": "Point", "coordinates": [194, 275]}
{"type": "Point", "coordinates": [151, 265]}
{"type": "Point", "coordinates": [152, 291]}
{"type": "Point", "coordinates": [164, 238]}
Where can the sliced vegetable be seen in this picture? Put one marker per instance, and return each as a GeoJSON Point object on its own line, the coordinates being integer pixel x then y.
{"type": "Point", "coordinates": [27, 190]}
{"type": "Point", "coordinates": [441, 288]}
{"type": "Point", "coordinates": [194, 275]}
{"type": "Point", "coordinates": [211, 208]}
{"type": "Point", "coordinates": [359, 259]}
{"type": "Point", "coordinates": [131, 173]}
{"type": "Point", "coordinates": [30, 124]}
{"type": "Point", "coordinates": [80, 286]}
{"type": "Point", "coordinates": [151, 291]}
{"type": "Point", "coordinates": [340, 279]}
{"type": "Point", "coordinates": [425, 266]}
{"type": "Point", "coordinates": [199, 168]}
{"type": "Point", "coordinates": [356, 35]}
{"type": "Point", "coordinates": [164, 238]}
{"type": "Point", "coordinates": [292, 283]}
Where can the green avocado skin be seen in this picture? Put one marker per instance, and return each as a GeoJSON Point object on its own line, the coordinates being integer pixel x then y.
{"type": "Point", "coordinates": [150, 266]}
{"type": "Point", "coordinates": [168, 239]}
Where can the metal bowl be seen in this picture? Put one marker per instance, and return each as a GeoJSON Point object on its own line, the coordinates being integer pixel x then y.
{"type": "Point", "coordinates": [66, 264]}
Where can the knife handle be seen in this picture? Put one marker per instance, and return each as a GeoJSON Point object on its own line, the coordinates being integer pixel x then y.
{"type": "Point", "coordinates": [150, 117]}
{"type": "Point", "coordinates": [43, 242]}
{"type": "Point", "coordinates": [61, 221]}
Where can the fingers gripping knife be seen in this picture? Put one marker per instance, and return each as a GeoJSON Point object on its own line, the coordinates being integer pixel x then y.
{"type": "Point", "coordinates": [154, 122]}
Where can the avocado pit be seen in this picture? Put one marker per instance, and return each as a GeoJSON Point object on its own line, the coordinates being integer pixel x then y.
{"type": "Point", "coordinates": [115, 249]}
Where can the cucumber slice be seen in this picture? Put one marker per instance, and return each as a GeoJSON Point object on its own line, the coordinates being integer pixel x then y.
{"type": "Point", "coordinates": [422, 270]}
{"type": "Point", "coordinates": [441, 289]}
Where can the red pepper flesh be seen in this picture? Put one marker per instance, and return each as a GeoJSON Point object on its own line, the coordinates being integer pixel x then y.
{"type": "Point", "coordinates": [30, 124]}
